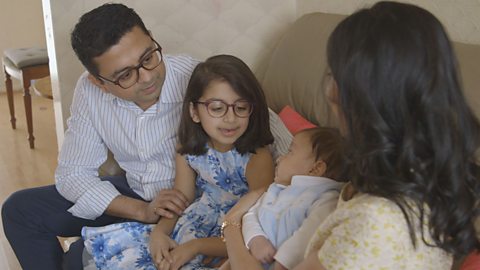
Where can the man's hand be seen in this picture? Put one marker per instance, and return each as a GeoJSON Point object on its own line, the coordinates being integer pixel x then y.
{"type": "Point", "coordinates": [167, 203]}
{"type": "Point", "coordinates": [262, 249]}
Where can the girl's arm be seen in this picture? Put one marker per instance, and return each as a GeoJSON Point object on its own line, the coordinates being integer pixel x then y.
{"type": "Point", "coordinates": [160, 241]}
{"type": "Point", "coordinates": [211, 247]}
{"type": "Point", "coordinates": [259, 171]}
{"type": "Point", "coordinates": [259, 174]}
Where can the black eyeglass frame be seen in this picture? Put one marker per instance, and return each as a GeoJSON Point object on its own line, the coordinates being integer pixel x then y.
{"type": "Point", "coordinates": [137, 67]}
{"type": "Point", "coordinates": [208, 102]}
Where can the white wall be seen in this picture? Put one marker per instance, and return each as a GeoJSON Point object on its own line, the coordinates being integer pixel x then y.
{"type": "Point", "coordinates": [22, 26]}
{"type": "Point", "coordinates": [460, 17]}
{"type": "Point", "coordinates": [201, 28]}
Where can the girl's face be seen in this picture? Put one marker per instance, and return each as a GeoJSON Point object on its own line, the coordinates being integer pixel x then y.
{"type": "Point", "coordinates": [299, 160]}
{"type": "Point", "coordinates": [223, 131]}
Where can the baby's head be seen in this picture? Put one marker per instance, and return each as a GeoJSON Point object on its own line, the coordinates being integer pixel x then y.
{"type": "Point", "coordinates": [315, 152]}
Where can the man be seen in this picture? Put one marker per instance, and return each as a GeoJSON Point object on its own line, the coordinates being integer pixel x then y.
{"type": "Point", "coordinates": [128, 101]}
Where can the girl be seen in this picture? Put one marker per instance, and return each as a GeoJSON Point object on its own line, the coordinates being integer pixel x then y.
{"type": "Point", "coordinates": [411, 139]}
{"type": "Point", "coordinates": [222, 154]}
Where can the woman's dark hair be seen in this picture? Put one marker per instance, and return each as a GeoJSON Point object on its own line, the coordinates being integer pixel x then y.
{"type": "Point", "coordinates": [100, 29]}
{"type": "Point", "coordinates": [328, 145]}
{"type": "Point", "coordinates": [235, 72]}
{"type": "Point", "coordinates": [410, 135]}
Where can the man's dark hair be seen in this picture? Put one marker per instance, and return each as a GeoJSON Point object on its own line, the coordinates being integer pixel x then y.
{"type": "Point", "coordinates": [101, 28]}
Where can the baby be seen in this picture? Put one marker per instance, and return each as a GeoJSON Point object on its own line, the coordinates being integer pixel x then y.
{"type": "Point", "coordinates": [278, 227]}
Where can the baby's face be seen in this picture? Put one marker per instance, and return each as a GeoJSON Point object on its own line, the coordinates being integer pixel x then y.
{"type": "Point", "coordinates": [298, 161]}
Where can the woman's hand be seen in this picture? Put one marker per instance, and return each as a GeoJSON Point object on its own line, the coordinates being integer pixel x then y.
{"type": "Point", "coordinates": [241, 207]}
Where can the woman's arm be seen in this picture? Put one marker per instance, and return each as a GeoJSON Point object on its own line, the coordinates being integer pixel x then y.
{"type": "Point", "coordinates": [310, 263]}
{"type": "Point", "coordinates": [238, 255]}
{"type": "Point", "coordinates": [291, 252]}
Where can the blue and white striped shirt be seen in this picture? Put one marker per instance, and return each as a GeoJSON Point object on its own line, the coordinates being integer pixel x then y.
{"type": "Point", "coordinates": [143, 142]}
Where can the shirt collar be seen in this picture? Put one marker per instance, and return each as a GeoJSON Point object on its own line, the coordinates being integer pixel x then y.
{"type": "Point", "coordinates": [170, 92]}
{"type": "Point", "coordinates": [308, 180]}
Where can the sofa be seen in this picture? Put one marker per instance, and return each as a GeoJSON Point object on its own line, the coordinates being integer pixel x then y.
{"type": "Point", "coordinates": [293, 75]}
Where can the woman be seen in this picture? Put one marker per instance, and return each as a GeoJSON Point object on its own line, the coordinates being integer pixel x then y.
{"type": "Point", "coordinates": [414, 178]}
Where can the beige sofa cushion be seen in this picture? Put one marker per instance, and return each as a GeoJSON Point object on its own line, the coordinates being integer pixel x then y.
{"type": "Point", "coordinates": [294, 75]}
{"type": "Point", "coordinates": [469, 62]}
{"type": "Point", "coordinates": [295, 71]}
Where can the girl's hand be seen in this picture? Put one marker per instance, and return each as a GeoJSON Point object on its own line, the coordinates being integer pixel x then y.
{"type": "Point", "coordinates": [160, 246]}
{"type": "Point", "coordinates": [183, 254]}
{"type": "Point", "coordinates": [241, 207]}
{"type": "Point", "coordinates": [262, 249]}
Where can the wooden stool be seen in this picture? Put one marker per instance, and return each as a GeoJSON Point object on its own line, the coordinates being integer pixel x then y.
{"type": "Point", "coordinates": [24, 64]}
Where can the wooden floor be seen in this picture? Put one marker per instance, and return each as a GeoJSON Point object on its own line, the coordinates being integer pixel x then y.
{"type": "Point", "coordinates": [20, 166]}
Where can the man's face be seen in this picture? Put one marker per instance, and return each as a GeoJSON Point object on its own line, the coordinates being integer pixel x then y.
{"type": "Point", "coordinates": [126, 54]}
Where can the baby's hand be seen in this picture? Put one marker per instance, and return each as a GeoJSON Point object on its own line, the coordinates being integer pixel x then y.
{"type": "Point", "coordinates": [262, 249]}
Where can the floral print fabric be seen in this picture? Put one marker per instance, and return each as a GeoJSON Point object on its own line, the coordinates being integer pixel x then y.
{"type": "Point", "coordinates": [220, 182]}
{"type": "Point", "coordinates": [370, 232]}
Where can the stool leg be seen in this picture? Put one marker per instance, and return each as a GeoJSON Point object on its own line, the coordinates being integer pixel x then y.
{"type": "Point", "coordinates": [27, 99]}
{"type": "Point", "coordinates": [11, 106]}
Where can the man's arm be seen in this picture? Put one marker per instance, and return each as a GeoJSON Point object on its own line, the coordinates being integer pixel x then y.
{"type": "Point", "coordinates": [82, 153]}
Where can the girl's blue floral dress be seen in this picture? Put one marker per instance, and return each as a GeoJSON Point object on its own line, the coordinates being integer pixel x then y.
{"type": "Point", "coordinates": [220, 183]}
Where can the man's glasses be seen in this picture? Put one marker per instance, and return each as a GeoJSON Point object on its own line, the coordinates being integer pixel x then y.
{"type": "Point", "coordinates": [218, 108]}
{"type": "Point", "coordinates": [129, 77]}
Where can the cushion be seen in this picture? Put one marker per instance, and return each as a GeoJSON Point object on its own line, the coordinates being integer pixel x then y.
{"type": "Point", "coordinates": [293, 120]}
{"type": "Point", "coordinates": [472, 262]}
{"type": "Point", "coordinates": [469, 57]}
{"type": "Point", "coordinates": [25, 57]}
{"type": "Point", "coordinates": [295, 72]}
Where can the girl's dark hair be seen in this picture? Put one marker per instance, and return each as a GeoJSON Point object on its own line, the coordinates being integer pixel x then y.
{"type": "Point", "coordinates": [328, 145]}
{"type": "Point", "coordinates": [235, 72]}
{"type": "Point", "coordinates": [101, 28]}
{"type": "Point", "coordinates": [411, 137]}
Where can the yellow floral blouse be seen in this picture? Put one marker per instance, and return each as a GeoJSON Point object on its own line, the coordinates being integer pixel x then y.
{"type": "Point", "coordinates": [369, 232]}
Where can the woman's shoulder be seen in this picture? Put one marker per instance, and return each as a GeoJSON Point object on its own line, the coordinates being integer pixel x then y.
{"type": "Point", "coordinates": [368, 208]}
{"type": "Point", "coordinates": [378, 228]}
